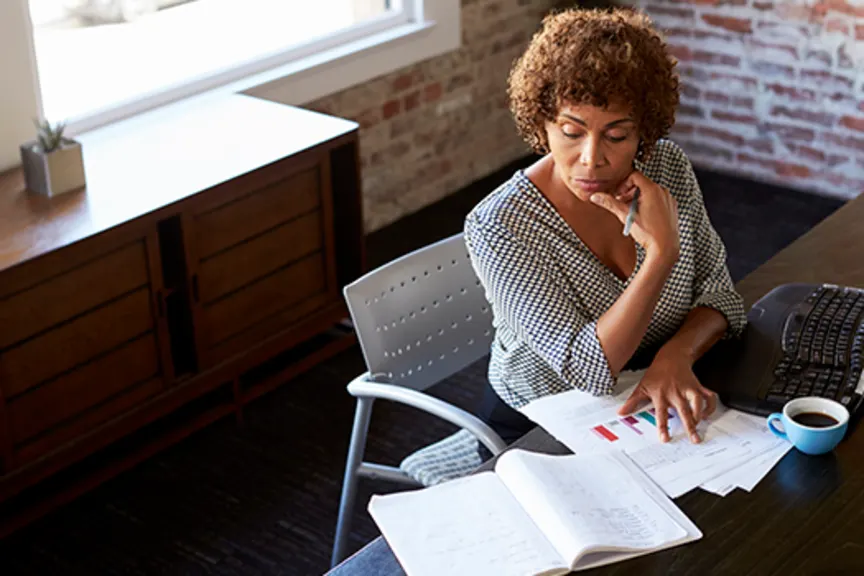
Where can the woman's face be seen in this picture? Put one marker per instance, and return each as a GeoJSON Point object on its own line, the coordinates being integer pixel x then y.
{"type": "Point", "coordinates": [593, 148]}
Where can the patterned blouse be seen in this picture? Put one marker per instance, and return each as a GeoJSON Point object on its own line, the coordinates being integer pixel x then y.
{"type": "Point", "coordinates": [547, 289]}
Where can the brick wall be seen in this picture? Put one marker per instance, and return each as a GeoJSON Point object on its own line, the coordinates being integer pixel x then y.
{"type": "Point", "coordinates": [428, 130]}
{"type": "Point", "coordinates": [771, 88]}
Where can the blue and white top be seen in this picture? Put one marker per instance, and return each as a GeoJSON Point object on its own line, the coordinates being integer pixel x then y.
{"type": "Point", "coordinates": [547, 289]}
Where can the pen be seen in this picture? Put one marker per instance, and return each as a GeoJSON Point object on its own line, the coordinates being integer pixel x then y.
{"type": "Point", "coordinates": [631, 215]}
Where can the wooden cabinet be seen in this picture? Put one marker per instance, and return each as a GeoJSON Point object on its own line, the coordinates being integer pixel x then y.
{"type": "Point", "coordinates": [141, 296]}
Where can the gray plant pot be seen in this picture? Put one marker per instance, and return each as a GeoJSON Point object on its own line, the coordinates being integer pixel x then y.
{"type": "Point", "coordinates": [56, 172]}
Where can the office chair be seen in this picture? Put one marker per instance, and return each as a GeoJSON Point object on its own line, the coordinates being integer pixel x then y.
{"type": "Point", "coordinates": [419, 319]}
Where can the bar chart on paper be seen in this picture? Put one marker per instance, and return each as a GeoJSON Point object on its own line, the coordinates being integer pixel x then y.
{"type": "Point", "coordinates": [634, 427]}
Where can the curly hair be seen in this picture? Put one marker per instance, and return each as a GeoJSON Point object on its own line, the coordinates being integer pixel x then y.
{"type": "Point", "coordinates": [591, 57]}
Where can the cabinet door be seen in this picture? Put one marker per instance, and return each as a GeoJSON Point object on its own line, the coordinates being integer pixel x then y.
{"type": "Point", "coordinates": [262, 256]}
{"type": "Point", "coordinates": [79, 346]}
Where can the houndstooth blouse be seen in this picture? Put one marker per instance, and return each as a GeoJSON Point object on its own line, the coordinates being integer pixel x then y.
{"type": "Point", "coordinates": [547, 289]}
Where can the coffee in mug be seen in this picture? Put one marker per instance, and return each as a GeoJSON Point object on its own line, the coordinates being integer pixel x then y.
{"type": "Point", "coordinates": [813, 425]}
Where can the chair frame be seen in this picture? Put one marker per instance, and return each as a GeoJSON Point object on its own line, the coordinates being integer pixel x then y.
{"type": "Point", "coordinates": [379, 385]}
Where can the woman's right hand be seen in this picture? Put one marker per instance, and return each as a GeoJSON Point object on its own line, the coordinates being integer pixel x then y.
{"type": "Point", "coordinates": [655, 227]}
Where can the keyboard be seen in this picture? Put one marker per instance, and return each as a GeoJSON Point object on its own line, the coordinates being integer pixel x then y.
{"type": "Point", "coordinates": [822, 344]}
{"type": "Point", "coordinates": [800, 340]}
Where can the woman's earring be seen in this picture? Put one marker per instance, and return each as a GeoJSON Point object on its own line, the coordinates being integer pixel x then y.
{"type": "Point", "coordinates": [640, 151]}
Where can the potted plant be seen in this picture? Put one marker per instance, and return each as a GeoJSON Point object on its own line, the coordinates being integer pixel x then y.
{"type": "Point", "coordinates": [53, 164]}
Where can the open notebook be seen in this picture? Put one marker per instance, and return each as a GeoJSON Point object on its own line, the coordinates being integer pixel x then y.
{"type": "Point", "coordinates": [536, 514]}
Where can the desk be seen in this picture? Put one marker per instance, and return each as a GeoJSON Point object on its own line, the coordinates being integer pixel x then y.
{"type": "Point", "coordinates": [807, 515]}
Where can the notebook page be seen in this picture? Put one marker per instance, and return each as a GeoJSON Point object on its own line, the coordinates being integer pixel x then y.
{"type": "Point", "coordinates": [587, 503]}
{"type": "Point", "coordinates": [470, 525]}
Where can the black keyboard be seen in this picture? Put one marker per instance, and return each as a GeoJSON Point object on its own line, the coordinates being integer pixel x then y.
{"type": "Point", "coordinates": [822, 343]}
{"type": "Point", "coordinates": [801, 340]}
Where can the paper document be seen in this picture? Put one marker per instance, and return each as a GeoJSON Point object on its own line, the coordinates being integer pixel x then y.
{"type": "Point", "coordinates": [589, 424]}
{"type": "Point", "coordinates": [536, 514]}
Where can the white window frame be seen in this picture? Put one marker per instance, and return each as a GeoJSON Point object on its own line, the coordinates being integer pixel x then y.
{"type": "Point", "coordinates": [425, 28]}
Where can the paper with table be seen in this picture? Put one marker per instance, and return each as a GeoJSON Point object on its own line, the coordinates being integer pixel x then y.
{"type": "Point", "coordinates": [737, 449]}
{"type": "Point", "coordinates": [536, 514]}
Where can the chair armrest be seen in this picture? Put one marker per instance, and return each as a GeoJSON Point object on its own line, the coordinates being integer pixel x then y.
{"type": "Point", "coordinates": [362, 387]}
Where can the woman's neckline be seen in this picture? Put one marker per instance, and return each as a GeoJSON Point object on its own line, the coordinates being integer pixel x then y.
{"type": "Point", "coordinates": [560, 221]}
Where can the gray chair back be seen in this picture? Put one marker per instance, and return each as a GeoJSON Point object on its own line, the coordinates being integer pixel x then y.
{"type": "Point", "coordinates": [422, 317]}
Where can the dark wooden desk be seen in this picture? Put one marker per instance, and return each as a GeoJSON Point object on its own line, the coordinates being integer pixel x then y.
{"type": "Point", "coordinates": [807, 515]}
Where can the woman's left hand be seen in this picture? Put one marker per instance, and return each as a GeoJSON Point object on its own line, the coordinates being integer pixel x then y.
{"type": "Point", "coordinates": [670, 382]}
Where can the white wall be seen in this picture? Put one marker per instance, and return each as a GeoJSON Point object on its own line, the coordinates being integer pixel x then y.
{"type": "Point", "coordinates": [19, 94]}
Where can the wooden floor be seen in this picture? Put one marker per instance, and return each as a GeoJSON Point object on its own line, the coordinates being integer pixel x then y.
{"type": "Point", "coordinates": [262, 499]}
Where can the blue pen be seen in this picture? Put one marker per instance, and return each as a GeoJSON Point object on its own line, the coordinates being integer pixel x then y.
{"type": "Point", "coordinates": [631, 215]}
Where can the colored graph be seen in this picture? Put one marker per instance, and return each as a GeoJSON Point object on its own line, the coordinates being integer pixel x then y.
{"type": "Point", "coordinates": [635, 425]}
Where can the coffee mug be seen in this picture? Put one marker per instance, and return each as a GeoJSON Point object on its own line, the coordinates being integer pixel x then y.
{"type": "Point", "coordinates": [813, 425]}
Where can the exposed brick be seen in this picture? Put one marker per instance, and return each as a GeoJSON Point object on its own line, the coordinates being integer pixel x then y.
{"type": "Point", "coordinates": [852, 8]}
{"type": "Point", "coordinates": [723, 135]}
{"type": "Point", "coordinates": [764, 6]}
{"type": "Point", "coordinates": [682, 128]}
{"type": "Point", "coordinates": [796, 170]}
{"type": "Point", "coordinates": [742, 25]}
{"type": "Point", "coordinates": [459, 81]}
{"type": "Point", "coordinates": [762, 145]}
{"type": "Point", "coordinates": [682, 53]}
{"type": "Point", "coordinates": [433, 92]}
{"type": "Point", "coordinates": [802, 94]}
{"type": "Point", "coordinates": [708, 151]}
{"type": "Point", "coordinates": [837, 25]}
{"type": "Point", "coordinates": [678, 32]}
{"type": "Point", "coordinates": [715, 58]}
{"type": "Point", "coordinates": [694, 111]}
{"type": "Point", "coordinates": [844, 141]}
{"type": "Point", "coordinates": [805, 114]}
{"type": "Point", "coordinates": [713, 35]}
{"type": "Point", "coordinates": [412, 100]}
{"type": "Point", "coordinates": [826, 79]}
{"type": "Point", "coordinates": [745, 82]}
{"type": "Point", "coordinates": [808, 153]}
{"type": "Point", "coordinates": [819, 156]}
{"type": "Point", "coordinates": [737, 101]}
{"type": "Point", "coordinates": [844, 60]}
{"type": "Point", "coordinates": [787, 132]}
{"type": "Point", "coordinates": [390, 108]}
{"type": "Point", "coordinates": [683, 13]}
{"type": "Point", "coordinates": [690, 91]}
{"type": "Point", "coordinates": [368, 118]}
{"type": "Point", "coordinates": [731, 117]}
{"type": "Point", "coordinates": [859, 31]}
{"type": "Point", "coordinates": [783, 30]}
{"type": "Point", "coordinates": [788, 11]}
{"type": "Point", "coordinates": [772, 69]}
{"type": "Point", "coordinates": [792, 51]}
{"type": "Point", "coordinates": [403, 82]}
{"type": "Point", "coordinates": [853, 122]}
{"type": "Point", "coordinates": [822, 56]}
{"type": "Point", "coordinates": [781, 168]}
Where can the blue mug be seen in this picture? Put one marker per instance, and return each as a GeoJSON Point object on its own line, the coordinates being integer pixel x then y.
{"type": "Point", "coordinates": [813, 425]}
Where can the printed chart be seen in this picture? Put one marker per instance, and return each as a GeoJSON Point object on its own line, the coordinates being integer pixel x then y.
{"type": "Point", "coordinates": [635, 425]}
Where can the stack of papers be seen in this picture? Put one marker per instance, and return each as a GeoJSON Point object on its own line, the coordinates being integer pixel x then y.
{"type": "Point", "coordinates": [737, 449]}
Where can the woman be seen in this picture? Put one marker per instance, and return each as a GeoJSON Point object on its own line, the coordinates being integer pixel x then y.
{"type": "Point", "coordinates": [574, 300]}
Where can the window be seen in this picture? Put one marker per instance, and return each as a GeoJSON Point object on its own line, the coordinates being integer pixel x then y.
{"type": "Point", "coordinates": [376, 37]}
{"type": "Point", "coordinates": [95, 57]}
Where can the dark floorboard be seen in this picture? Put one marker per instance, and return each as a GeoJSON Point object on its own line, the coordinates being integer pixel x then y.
{"type": "Point", "coordinates": [261, 499]}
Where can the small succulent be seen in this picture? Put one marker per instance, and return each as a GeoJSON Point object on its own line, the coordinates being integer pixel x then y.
{"type": "Point", "coordinates": [50, 135]}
